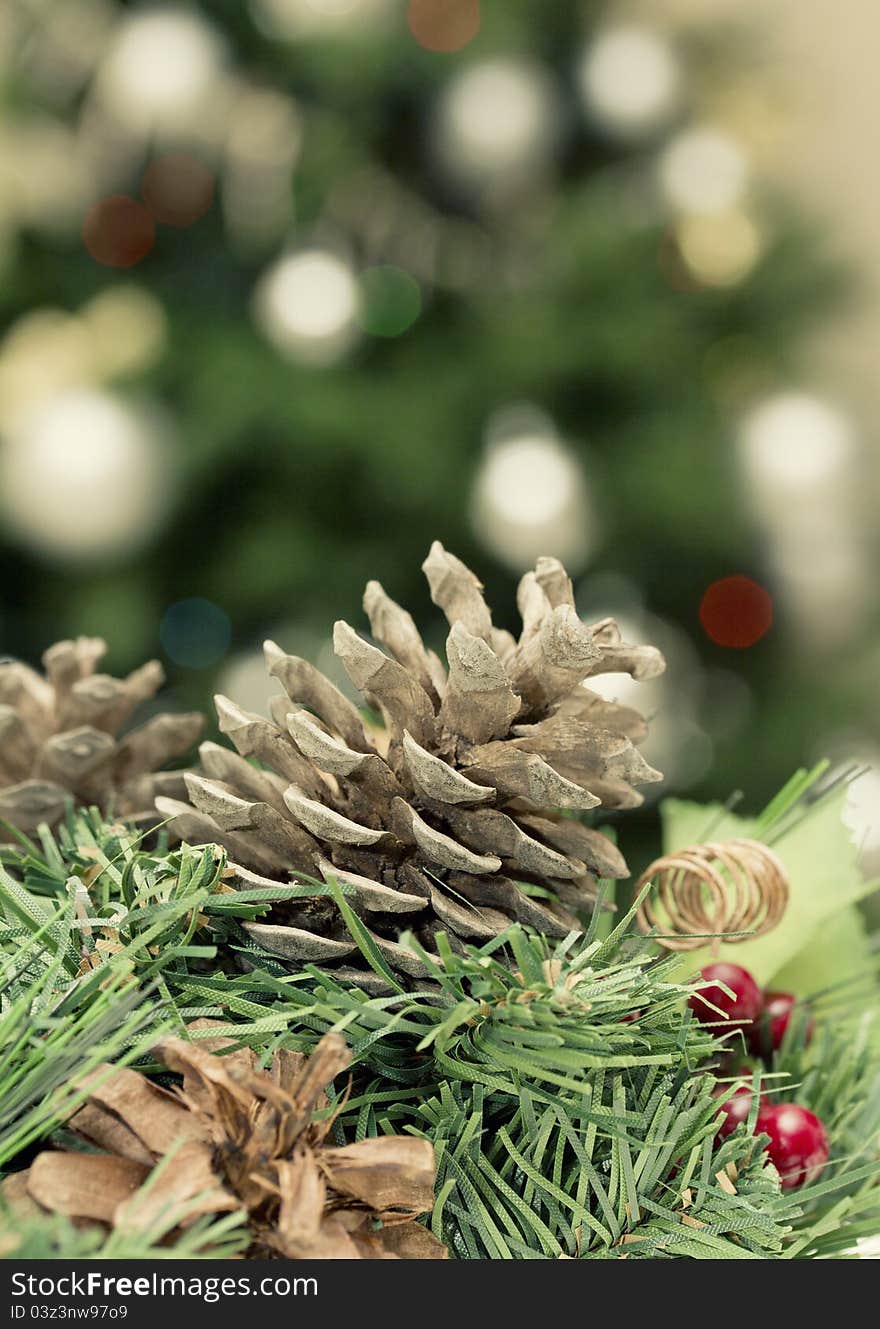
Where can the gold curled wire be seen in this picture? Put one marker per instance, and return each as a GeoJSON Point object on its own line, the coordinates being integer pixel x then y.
{"type": "Point", "coordinates": [713, 893]}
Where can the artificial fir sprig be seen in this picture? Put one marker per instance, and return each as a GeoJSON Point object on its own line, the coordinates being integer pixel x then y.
{"type": "Point", "coordinates": [54, 1028]}
{"type": "Point", "coordinates": [565, 1126]}
{"type": "Point", "coordinates": [566, 1098]}
{"type": "Point", "coordinates": [163, 908]}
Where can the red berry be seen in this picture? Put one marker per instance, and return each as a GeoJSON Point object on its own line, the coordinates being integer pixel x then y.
{"type": "Point", "coordinates": [733, 1110]}
{"type": "Point", "coordinates": [798, 1145]}
{"type": "Point", "coordinates": [769, 1029]}
{"type": "Point", "coordinates": [742, 1008]}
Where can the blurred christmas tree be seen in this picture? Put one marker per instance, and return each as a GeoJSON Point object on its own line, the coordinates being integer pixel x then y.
{"type": "Point", "coordinates": [294, 287]}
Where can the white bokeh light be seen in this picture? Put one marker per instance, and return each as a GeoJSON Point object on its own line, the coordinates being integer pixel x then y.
{"type": "Point", "coordinates": [161, 69]}
{"type": "Point", "coordinates": [530, 496]}
{"type": "Point", "coordinates": [45, 352]}
{"type": "Point", "coordinates": [720, 249]}
{"type": "Point", "coordinates": [703, 170]}
{"type": "Point", "coordinates": [86, 476]}
{"type": "Point", "coordinates": [798, 454]}
{"type": "Point", "coordinates": [47, 176]}
{"type": "Point", "coordinates": [307, 305]}
{"type": "Point", "coordinates": [127, 327]}
{"type": "Point", "coordinates": [531, 480]}
{"type": "Point", "coordinates": [795, 443]}
{"type": "Point", "coordinates": [855, 755]}
{"type": "Point", "coordinates": [497, 118]}
{"type": "Point", "coordinates": [302, 18]}
{"type": "Point", "coordinates": [630, 80]}
{"type": "Point", "coordinates": [262, 146]}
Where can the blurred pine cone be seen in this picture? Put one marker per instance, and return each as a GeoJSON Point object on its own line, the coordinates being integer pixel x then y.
{"type": "Point", "coordinates": [60, 737]}
{"type": "Point", "coordinates": [238, 1139]}
{"type": "Point", "coordinates": [448, 816]}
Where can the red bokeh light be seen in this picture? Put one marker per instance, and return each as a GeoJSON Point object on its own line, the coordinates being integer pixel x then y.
{"type": "Point", "coordinates": [178, 189]}
{"type": "Point", "coordinates": [444, 25]}
{"type": "Point", "coordinates": [118, 231]}
{"type": "Point", "coordinates": [736, 612]}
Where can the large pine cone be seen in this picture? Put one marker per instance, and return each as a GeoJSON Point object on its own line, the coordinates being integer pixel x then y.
{"type": "Point", "coordinates": [60, 737]}
{"type": "Point", "coordinates": [442, 818]}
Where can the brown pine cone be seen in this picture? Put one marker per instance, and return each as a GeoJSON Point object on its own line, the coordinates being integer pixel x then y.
{"type": "Point", "coordinates": [60, 737]}
{"type": "Point", "coordinates": [451, 814]}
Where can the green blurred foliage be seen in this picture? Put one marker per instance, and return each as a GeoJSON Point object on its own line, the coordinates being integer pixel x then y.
{"type": "Point", "coordinates": [297, 483]}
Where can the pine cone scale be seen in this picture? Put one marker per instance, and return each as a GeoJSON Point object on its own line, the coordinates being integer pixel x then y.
{"type": "Point", "coordinates": [519, 773]}
{"type": "Point", "coordinates": [393, 628]}
{"type": "Point", "coordinates": [303, 681]}
{"type": "Point", "coordinates": [479, 702]}
{"type": "Point", "coordinates": [298, 944]}
{"type": "Point", "coordinates": [18, 747]}
{"type": "Point", "coordinates": [437, 780]}
{"type": "Point", "coordinates": [403, 702]}
{"type": "Point", "coordinates": [372, 896]}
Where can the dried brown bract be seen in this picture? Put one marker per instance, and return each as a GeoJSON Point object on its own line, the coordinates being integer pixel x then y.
{"type": "Point", "coordinates": [239, 1139]}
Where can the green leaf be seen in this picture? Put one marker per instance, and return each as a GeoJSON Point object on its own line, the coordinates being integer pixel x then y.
{"type": "Point", "coordinates": [838, 951]}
